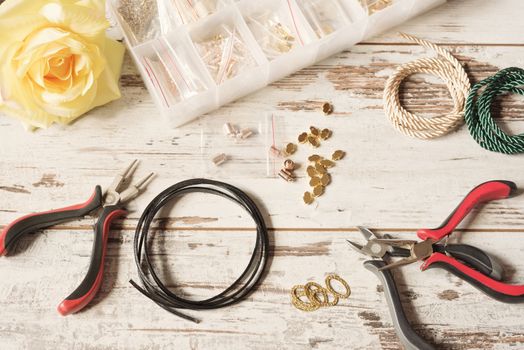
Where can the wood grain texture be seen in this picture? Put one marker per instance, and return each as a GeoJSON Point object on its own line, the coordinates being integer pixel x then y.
{"type": "Point", "coordinates": [387, 181]}
{"type": "Point", "coordinates": [442, 307]}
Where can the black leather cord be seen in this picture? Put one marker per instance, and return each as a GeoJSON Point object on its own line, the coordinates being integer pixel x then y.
{"type": "Point", "coordinates": [154, 289]}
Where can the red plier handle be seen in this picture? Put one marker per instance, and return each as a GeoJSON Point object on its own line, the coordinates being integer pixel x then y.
{"type": "Point", "coordinates": [87, 290]}
{"type": "Point", "coordinates": [38, 221]}
{"type": "Point", "coordinates": [488, 191]}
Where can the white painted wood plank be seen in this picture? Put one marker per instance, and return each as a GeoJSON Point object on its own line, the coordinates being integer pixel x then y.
{"type": "Point", "coordinates": [387, 179]}
{"type": "Point", "coordinates": [467, 21]}
{"type": "Point", "coordinates": [441, 306]}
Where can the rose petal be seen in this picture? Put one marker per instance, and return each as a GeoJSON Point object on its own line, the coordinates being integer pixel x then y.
{"type": "Point", "coordinates": [82, 20]}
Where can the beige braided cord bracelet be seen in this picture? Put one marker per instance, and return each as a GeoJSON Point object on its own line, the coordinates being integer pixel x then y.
{"type": "Point", "coordinates": [447, 68]}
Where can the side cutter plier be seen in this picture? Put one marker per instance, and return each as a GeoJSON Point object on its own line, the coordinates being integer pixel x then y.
{"type": "Point", "coordinates": [465, 261]}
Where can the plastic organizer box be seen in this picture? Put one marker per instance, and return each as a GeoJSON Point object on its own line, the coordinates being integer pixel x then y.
{"type": "Point", "coordinates": [196, 55]}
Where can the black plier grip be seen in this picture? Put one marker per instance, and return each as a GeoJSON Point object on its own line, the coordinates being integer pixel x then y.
{"type": "Point", "coordinates": [37, 221]}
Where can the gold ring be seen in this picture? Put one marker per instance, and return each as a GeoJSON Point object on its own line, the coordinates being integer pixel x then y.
{"type": "Point", "coordinates": [297, 292]}
{"type": "Point", "coordinates": [330, 288]}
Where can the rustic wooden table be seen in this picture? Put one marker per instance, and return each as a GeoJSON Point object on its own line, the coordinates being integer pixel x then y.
{"type": "Point", "coordinates": [387, 181]}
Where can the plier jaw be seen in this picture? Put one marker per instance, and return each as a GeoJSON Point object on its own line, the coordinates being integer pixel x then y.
{"type": "Point", "coordinates": [376, 247]}
{"type": "Point", "coordinates": [467, 262]}
{"type": "Point", "coordinates": [108, 205]}
{"type": "Point", "coordinates": [114, 194]}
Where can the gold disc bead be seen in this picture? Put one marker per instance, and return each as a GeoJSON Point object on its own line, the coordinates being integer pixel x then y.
{"type": "Point", "coordinates": [325, 179]}
{"type": "Point", "coordinates": [313, 141]}
{"type": "Point", "coordinates": [318, 191]}
{"type": "Point", "coordinates": [303, 138]}
{"type": "Point", "coordinates": [291, 148]}
{"type": "Point", "coordinates": [308, 198]}
{"type": "Point", "coordinates": [311, 171]}
{"type": "Point", "coordinates": [314, 158]}
{"type": "Point", "coordinates": [314, 131]}
{"type": "Point", "coordinates": [315, 181]}
{"type": "Point", "coordinates": [338, 155]}
{"type": "Point", "coordinates": [326, 163]}
{"type": "Point", "coordinates": [327, 108]}
{"type": "Point", "coordinates": [325, 134]}
{"type": "Point", "coordinates": [320, 169]}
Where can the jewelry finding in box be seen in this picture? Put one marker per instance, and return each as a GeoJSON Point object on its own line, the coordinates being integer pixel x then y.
{"type": "Point", "coordinates": [277, 37]}
{"type": "Point", "coordinates": [189, 11]}
{"type": "Point", "coordinates": [139, 16]}
{"type": "Point", "coordinates": [160, 78]}
{"type": "Point", "coordinates": [225, 54]}
{"type": "Point", "coordinates": [324, 16]}
{"type": "Point", "coordinates": [317, 295]}
{"type": "Point", "coordinates": [372, 6]}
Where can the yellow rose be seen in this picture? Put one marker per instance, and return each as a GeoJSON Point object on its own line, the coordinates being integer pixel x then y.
{"type": "Point", "coordinates": [56, 62]}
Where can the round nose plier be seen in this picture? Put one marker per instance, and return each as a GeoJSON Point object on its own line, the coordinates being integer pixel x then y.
{"type": "Point", "coordinates": [108, 206]}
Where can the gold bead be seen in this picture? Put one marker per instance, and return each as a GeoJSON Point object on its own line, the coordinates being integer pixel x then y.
{"type": "Point", "coordinates": [325, 134]}
{"type": "Point", "coordinates": [314, 131]}
{"type": "Point", "coordinates": [302, 138]}
{"type": "Point", "coordinates": [313, 141]}
{"type": "Point", "coordinates": [325, 179]}
{"type": "Point", "coordinates": [338, 155]}
{"type": "Point", "coordinates": [318, 191]}
{"type": "Point", "coordinates": [291, 148]}
{"type": "Point", "coordinates": [320, 168]}
{"type": "Point", "coordinates": [308, 198]}
{"type": "Point", "coordinates": [327, 108]}
{"type": "Point", "coordinates": [315, 181]}
{"type": "Point", "coordinates": [289, 165]}
{"type": "Point", "coordinates": [326, 163]}
{"type": "Point", "coordinates": [311, 171]}
{"type": "Point", "coordinates": [314, 158]}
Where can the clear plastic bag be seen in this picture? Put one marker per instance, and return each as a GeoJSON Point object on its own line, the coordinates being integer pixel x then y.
{"type": "Point", "coordinates": [234, 150]}
{"type": "Point", "coordinates": [276, 27]}
{"type": "Point", "coordinates": [170, 72]}
{"type": "Point", "coordinates": [175, 13]}
{"type": "Point", "coordinates": [159, 77]}
{"type": "Point", "coordinates": [372, 6]}
{"type": "Point", "coordinates": [139, 18]}
{"type": "Point", "coordinates": [324, 16]}
{"type": "Point", "coordinates": [225, 53]}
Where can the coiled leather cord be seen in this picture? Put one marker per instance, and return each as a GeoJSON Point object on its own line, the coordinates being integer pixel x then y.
{"type": "Point", "coordinates": [152, 286]}
{"type": "Point", "coordinates": [478, 111]}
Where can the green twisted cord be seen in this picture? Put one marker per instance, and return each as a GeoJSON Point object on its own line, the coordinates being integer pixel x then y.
{"type": "Point", "coordinates": [478, 112]}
